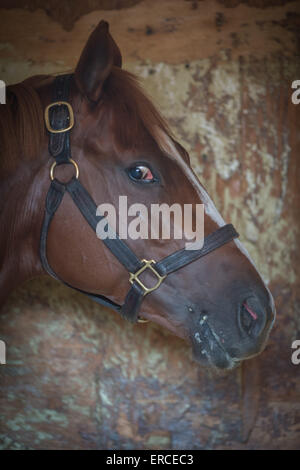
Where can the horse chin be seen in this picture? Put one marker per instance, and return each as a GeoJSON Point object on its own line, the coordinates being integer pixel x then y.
{"type": "Point", "coordinates": [208, 350]}
{"type": "Point", "coordinates": [215, 361]}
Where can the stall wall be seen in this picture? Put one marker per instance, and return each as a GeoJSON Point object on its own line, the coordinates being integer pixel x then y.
{"type": "Point", "coordinates": [78, 376]}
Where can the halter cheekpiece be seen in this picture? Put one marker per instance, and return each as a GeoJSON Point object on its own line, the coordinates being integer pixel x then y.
{"type": "Point", "coordinates": [59, 121]}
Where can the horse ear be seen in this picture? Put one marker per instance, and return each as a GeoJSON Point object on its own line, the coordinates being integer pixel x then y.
{"type": "Point", "coordinates": [98, 57]}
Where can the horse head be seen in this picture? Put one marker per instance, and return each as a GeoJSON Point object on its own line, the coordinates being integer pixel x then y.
{"type": "Point", "coordinates": [123, 147]}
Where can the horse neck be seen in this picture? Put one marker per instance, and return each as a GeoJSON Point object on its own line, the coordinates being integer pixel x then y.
{"type": "Point", "coordinates": [21, 211]}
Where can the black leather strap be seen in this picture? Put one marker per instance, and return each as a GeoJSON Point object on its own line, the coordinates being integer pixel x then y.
{"type": "Point", "coordinates": [178, 260]}
{"type": "Point", "coordinates": [54, 197]}
{"type": "Point", "coordinates": [132, 304]}
{"type": "Point", "coordinates": [181, 258]}
{"type": "Point", "coordinates": [59, 144]}
{"type": "Point", "coordinates": [88, 209]}
{"type": "Point", "coordinates": [59, 148]}
{"type": "Point", "coordinates": [121, 251]}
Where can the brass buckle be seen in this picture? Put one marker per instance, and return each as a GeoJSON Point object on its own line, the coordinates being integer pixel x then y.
{"type": "Point", "coordinates": [135, 277]}
{"type": "Point", "coordinates": [47, 119]}
{"type": "Point", "coordinates": [71, 161]}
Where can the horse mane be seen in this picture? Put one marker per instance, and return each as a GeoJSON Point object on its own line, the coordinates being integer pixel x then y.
{"type": "Point", "coordinates": [21, 126]}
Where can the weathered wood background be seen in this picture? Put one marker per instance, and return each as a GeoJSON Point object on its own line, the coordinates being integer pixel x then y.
{"type": "Point", "coordinates": [77, 375]}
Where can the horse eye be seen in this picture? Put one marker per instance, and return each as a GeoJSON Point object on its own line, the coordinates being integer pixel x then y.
{"type": "Point", "coordinates": [141, 173]}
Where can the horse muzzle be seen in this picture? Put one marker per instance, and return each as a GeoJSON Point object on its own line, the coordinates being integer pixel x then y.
{"type": "Point", "coordinates": [244, 337]}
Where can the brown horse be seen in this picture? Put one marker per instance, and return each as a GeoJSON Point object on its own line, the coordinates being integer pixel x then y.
{"type": "Point", "coordinates": [123, 147]}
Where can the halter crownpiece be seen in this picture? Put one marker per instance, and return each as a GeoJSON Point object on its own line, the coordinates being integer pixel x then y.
{"type": "Point", "coordinates": [59, 120]}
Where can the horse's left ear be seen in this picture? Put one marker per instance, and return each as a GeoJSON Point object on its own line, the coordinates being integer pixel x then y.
{"type": "Point", "coordinates": [98, 57]}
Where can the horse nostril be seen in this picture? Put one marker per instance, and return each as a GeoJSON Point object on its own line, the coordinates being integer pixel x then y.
{"type": "Point", "coordinates": [252, 317]}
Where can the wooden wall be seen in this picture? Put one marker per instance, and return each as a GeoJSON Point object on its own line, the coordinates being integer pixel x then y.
{"type": "Point", "coordinates": [77, 375]}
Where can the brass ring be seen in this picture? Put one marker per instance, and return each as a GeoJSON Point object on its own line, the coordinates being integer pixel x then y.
{"type": "Point", "coordinates": [71, 161]}
{"type": "Point", "coordinates": [142, 320]}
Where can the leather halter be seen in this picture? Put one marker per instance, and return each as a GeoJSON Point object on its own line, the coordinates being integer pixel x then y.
{"type": "Point", "coordinates": [59, 120]}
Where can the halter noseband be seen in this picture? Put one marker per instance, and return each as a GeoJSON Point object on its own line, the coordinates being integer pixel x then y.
{"type": "Point", "coordinates": [59, 120]}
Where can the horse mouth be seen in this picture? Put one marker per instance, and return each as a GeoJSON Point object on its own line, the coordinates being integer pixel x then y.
{"type": "Point", "coordinates": [208, 349]}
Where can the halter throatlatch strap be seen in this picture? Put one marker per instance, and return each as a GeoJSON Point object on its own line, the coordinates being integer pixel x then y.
{"type": "Point", "coordinates": [59, 121]}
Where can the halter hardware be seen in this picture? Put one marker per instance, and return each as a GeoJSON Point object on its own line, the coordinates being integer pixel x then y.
{"type": "Point", "coordinates": [62, 117]}
{"type": "Point", "coordinates": [142, 320]}
{"type": "Point", "coordinates": [135, 276]}
{"type": "Point", "coordinates": [71, 117]}
{"type": "Point", "coordinates": [69, 161]}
